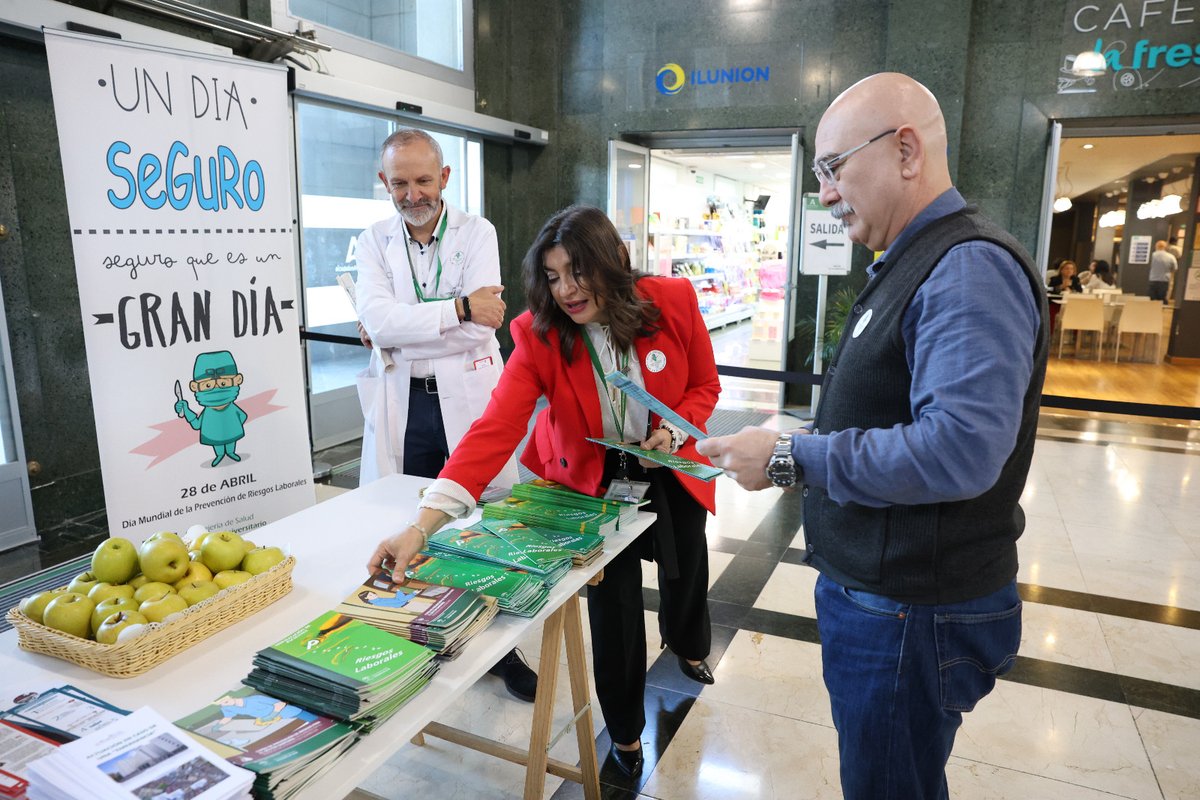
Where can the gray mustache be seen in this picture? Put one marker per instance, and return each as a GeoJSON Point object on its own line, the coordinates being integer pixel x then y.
{"type": "Point", "coordinates": [840, 210]}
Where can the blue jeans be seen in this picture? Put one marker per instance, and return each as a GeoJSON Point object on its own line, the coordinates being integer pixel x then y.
{"type": "Point", "coordinates": [899, 677]}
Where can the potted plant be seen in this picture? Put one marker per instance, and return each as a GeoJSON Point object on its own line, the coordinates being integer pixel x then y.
{"type": "Point", "coordinates": [837, 311]}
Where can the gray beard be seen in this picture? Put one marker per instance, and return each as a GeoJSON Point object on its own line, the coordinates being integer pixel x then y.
{"type": "Point", "coordinates": [416, 215]}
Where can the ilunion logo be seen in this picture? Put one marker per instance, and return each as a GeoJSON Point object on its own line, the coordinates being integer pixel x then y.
{"type": "Point", "coordinates": [670, 79]}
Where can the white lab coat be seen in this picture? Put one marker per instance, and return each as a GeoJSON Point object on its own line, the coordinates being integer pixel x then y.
{"type": "Point", "coordinates": [465, 355]}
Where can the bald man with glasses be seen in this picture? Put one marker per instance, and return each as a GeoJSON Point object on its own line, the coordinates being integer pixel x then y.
{"type": "Point", "coordinates": [912, 469]}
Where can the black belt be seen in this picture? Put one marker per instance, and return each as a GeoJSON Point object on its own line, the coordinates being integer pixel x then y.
{"type": "Point", "coordinates": [427, 385]}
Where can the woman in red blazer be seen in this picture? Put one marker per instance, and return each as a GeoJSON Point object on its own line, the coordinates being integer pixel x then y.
{"type": "Point", "coordinates": [589, 313]}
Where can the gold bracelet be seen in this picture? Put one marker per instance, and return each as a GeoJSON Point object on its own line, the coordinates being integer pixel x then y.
{"type": "Point", "coordinates": [424, 533]}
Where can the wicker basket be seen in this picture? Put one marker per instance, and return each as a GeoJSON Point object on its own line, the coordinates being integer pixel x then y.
{"type": "Point", "coordinates": [163, 639]}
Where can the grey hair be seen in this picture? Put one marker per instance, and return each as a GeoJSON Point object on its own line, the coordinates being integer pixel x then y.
{"type": "Point", "coordinates": [402, 137]}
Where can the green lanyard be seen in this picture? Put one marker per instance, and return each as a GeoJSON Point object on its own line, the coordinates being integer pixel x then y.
{"type": "Point", "coordinates": [612, 407]}
{"type": "Point", "coordinates": [437, 281]}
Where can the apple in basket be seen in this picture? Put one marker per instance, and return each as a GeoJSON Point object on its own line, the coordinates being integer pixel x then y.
{"type": "Point", "coordinates": [163, 558]}
{"type": "Point", "coordinates": [261, 559]}
{"type": "Point", "coordinates": [111, 628]}
{"type": "Point", "coordinates": [106, 608]}
{"type": "Point", "coordinates": [198, 591]}
{"type": "Point", "coordinates": [70, 613]}
{"type": "Point", "coordinates": [152, 589]}
{"type": "Point", "coordinates": [115, 560]}
{"type": "Point", "coordinates": [196, 571]}
{"type": "Point", "coordinates": [103, 591]}
{"type": "Point", "coordinates": [34, 606]}
{"type": "Point", "coordinates": [222, 550]}
{"type": "Point", "coordinates": [158, 608]}
{"type": "Point", "coordinates": [82, 583]}
{"type": "Point", "coordinates": [231, 577]}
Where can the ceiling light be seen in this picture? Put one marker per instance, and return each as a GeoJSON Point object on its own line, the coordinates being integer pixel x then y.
{"type": "Point", "coordinates": [1112, 219]}
{"type": "Point", "coordinates": [1062, 204]}
{"type": "Point", "coordinates": [1160, 207]}
{"type": "Point", "coordinates": [1089, 64]}
{"type": "Point", "coordinates": [1088, 146]}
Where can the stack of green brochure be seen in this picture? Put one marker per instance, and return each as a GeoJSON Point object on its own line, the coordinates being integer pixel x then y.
{"type": "Point", "coordinates": [504, 543]}
{"type": "Point", "coordinates": [554, 493]}
{"type": "Point", "coordinates": [442, 618]}
{"type": "Point", "coordinates": [284, 745]}
{"type": "Point", "coordinates": [583, 547]}
{"type": "Point", "coordinates": [343, 668]}
{"type": "Point", "coordinates": [517, 591]}
{"type": "Point", "coordinates": [556, 517]}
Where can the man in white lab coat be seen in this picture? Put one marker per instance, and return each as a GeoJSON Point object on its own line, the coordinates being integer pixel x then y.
{"type": "Point", "coordinates": [428, 302]}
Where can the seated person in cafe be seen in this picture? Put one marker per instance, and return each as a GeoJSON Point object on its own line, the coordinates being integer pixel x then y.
{"type": "Point", "coordinates": [1101, 278]}
{"type": "Point", "coordinates": [1066, 280]}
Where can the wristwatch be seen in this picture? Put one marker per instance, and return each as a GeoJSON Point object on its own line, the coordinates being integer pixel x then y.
{"type": "Point", "coordinates": [781, 469]}
{"type": "Point", "coordinates": [466, 301]}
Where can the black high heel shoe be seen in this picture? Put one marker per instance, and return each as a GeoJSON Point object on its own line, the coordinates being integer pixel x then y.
{"type": "Point", "coordinates": [629, 762]}
{"type": "Point", "coordinates": [700, 673]}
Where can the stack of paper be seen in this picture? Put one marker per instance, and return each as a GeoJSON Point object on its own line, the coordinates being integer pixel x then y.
{"type": "Point", "coordinates": [555, 517]}
{"type": "Point", "coordinates": [343, 668]}
{"type": "Point", "coordinates": [138, 757]}
{"type": "Point", "coordinates": [583, 547]}
{"type": "Point", "coordinates": [504, 543]}
{"type": "Point", "coordinates": [553, 493]}
{"type": "Point", "coordinates": [284, 745]}
{"type": "Point", "coordinates": [442, 618]}
{"type": "Point", "coordinates": [517, 592]}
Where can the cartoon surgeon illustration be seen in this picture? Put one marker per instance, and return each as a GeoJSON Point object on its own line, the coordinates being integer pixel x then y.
{"type": "Point", "coordinates": [216, 382]}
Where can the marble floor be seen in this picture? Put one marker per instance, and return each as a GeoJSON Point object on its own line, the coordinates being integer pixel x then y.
{"type": "Point", "coordinates": [1104, 702]}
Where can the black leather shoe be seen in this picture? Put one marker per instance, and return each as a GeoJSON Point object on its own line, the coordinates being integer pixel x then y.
{"type": "Point", "coordinates": [697, 672]}
{"type": "Point", "coordinates": [628, 761]}
{"type": "Point", "coordinates": [519, 679]}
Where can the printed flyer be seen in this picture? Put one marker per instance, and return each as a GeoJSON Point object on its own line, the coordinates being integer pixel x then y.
{"type": "Point", "coordinates": [180, 199]}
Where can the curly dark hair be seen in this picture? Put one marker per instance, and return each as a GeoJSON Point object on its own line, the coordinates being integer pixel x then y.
{"type": "Point", "coordinates": [601, 265]}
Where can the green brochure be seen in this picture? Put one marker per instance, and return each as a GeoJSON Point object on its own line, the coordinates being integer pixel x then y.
{"type": "Point", "coordinates": [695, 469]}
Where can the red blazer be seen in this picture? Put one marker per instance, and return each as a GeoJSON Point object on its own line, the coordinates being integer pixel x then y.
{"type": "Point", "coordinates": [558, 449]}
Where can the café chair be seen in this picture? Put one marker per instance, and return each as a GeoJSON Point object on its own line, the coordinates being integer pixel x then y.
{"type": "Point", "coordinates": [1082, 313]}
{"type": "Point", "coordinates": [1140, 317]}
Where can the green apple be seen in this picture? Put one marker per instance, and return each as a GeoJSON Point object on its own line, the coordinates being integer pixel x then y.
{"type": "Point", "coordinates": [222, 550]}
{"type": "Point", "coordinates": [138, 581]}
{"type": "Point", "coordinates": [70, 613]}
{"type": "Point", "coordinates": [230, 577]}
{"type": "Point", "coordinates": [159, 607]}
{"type": "Point", "coordinates": [198, 591]}
{"type": "Point", "coordinates": [35, 606]}
{"type": "Point", "coordinates": [198, 542]}
{"type": "Point", "coordinates": [261, 559]}
{"type": "Point", "coordinates": [163, 559]}
{"type": "Point", "coordinates": [152, 589]}
{"type": "Point", "coordinates": [248, 545]}
{"type": "Point", "coordinates": [82, 583]}
{"type": "Point", "coordinates": [106, 608]}
{"type": "Point", "coordinates": [115, 560]}
{"type": "Point", "coordinates": [112, 626]}
{"type": "Point", "coordinates": [196, 572]}
{"type": "Point", "coordinates": [103, 591]}
{"type": "Point", "coordinates": [172, 535]}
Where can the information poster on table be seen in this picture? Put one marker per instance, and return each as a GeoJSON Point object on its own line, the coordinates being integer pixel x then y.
{"type": "Point", "coordinates": [179, 195]}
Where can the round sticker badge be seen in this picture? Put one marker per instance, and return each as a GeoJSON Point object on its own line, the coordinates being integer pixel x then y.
{"type": "Point", "coordinates": [457, 258]}
{"type": "Point", "coordinates": [656, 361]}
{"type": "Point", "coordinates": [862, 323]}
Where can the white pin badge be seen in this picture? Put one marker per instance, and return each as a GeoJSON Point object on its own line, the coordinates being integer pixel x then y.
{"type": "Point", "coordinates": [861, 325]}
{"type": "Point", "coordinates": [656, 361]}
{"type": "Point", "coordinates": [457, 258]}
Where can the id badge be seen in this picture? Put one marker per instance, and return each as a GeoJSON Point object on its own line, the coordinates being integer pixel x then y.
{"type": "Point", "coordinates": [627, 491]}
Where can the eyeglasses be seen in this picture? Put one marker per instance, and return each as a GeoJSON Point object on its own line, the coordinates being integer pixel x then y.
{"type": "Point", "coordinates": [824, 168]}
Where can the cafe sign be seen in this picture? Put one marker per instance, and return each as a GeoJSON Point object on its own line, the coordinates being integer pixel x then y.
{"type": "Point", "coordinates": [1146, 44]}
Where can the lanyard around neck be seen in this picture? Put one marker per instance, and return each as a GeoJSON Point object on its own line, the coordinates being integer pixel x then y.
{"type": "Point", "coordinates": [437, 253]}
{"type": "Point", "coordinates": [612, 406]}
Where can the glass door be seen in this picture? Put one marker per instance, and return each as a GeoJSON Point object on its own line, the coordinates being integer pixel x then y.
{"type": "Point", "coordinates": [16, 506]}
{"type": "Point", "coordinates": [629, 197]}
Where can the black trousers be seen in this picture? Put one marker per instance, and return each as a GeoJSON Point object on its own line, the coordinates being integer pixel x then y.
{"type": "Point", "coordinates": [425, 449]}
{"type": "Point", "coordinates": [617, 616]}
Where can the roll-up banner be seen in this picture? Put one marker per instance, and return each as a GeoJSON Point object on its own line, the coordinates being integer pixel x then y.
{"type": "Point", "coordinates": [179, 195]}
